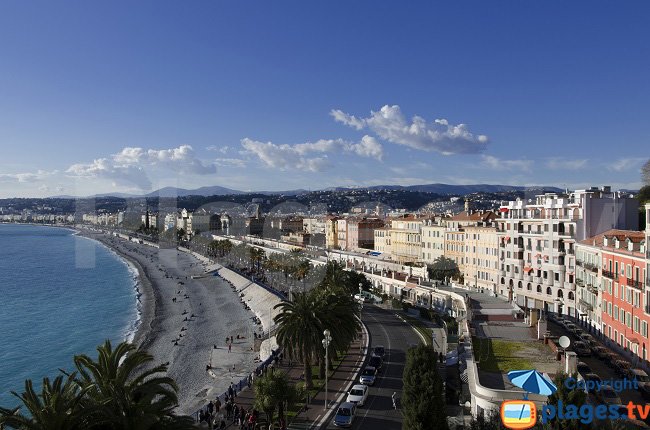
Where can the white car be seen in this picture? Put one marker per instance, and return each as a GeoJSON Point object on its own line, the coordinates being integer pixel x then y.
{"type": "Point", "coordinates": [358, 395]}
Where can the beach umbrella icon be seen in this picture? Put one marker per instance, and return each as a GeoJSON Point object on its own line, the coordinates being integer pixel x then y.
{"type": "Point", "coordinates": [532, 381]}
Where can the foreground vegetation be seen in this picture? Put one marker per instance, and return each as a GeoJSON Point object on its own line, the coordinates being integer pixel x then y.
{"type": "Point", "coordinates": [120, 390]}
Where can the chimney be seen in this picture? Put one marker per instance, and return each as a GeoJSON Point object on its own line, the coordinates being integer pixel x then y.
{"type": "Point", "coordinates": [467, 205]}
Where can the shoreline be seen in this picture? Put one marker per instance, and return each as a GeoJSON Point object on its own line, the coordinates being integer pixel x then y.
{"type": "Point", "coordinates": [168, 282]}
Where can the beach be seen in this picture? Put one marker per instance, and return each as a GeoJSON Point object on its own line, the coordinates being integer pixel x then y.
{"type": "Point", "coordinates": [183, 319]}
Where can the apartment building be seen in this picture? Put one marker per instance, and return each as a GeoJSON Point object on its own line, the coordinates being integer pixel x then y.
{"type": "Point", "coordinates": [481, 265]}
{"type": "Point", "coordinates": [382, 241]}
{"type": "Point", "coordinates": [352, 233]}
{"type": "Point", "coordinates": [537, 242]}
{"type": "Point", "coordinates": [433, 242]}
{"type": "Point", "coordinates": [621, 277]}
{"type": "Point", "coordinates": [406, 237]}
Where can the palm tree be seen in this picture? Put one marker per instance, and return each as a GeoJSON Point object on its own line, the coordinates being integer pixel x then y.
{"type": "Point", "coordinates": [58, 407]}
{"type": "Point", "coordinates": [272, 390]}
{"type": "Point", "coordinates": [299, 331]}
{"type": "Point", "coordinates": [128, 396]}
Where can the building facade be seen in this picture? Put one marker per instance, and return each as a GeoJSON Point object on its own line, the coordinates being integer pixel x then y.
{"type": "Point", "coordinates": [537, 243]}
{"type": "Point", "coordinates": [481, 265]}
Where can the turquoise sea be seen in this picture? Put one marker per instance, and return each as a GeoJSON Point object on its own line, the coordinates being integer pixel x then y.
{"type": "Point", "coordinates": [60, 295]}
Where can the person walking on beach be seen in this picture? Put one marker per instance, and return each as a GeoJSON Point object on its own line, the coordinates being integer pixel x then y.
{"type": "Point", "coordinates": [229, 347]}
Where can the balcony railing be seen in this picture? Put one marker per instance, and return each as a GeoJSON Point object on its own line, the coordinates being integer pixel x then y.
{"type": "Point", "coordinates": [634, 283]}
{"type": "Point", "coordinates": [608, 274]}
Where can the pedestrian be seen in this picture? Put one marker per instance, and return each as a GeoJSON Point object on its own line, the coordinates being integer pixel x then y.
{"type": "Point", "coordinates": [210, 407]}
{"type": "Point", "coordinates": [440, 357]}
{"type": "Point", "coordinates": [229, 347]}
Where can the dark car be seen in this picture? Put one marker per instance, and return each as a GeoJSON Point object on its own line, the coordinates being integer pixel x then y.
{"type": "Point", "coordinates": [379, 351]}
{"type": "Point", "coordinates": [592, 377]}
{"type": "Point", "coordinates": [375, 361]}
{"type": "Point", "coordinates": [581, 349]}
{"type": "Point", "coordinates": [621, 367]}
{"type": "Point", "coordinates": [601, 352]}
{"type": "Point", "coordinates": [583, 368]}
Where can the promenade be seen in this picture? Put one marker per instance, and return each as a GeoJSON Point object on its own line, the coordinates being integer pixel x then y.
{"type": "Point", "coordinates": [313, 415]}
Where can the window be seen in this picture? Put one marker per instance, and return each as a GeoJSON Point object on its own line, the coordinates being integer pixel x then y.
{"type": "Point", "coordinates": [636, 324]}
{"type": "Point", "coordinates": [609, 310]}
{"type": "Point", "coordinates": [615, 314]}
{"type": "Point", "coordinates": [628, 319]}
{"type": "Point", "coordinates": [629, 271]}
{"type": "Point", "coordinates": [644, 329]}
{"type": "Point", "coordinates": [621, 316]}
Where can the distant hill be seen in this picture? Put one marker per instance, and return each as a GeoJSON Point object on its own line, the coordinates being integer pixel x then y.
{"type": "Point", "coordinates": [203, 191]}
{"type": "Point", "coordinates": [441, 189]}
{"type": "Point", "coordinates": [455, 189]}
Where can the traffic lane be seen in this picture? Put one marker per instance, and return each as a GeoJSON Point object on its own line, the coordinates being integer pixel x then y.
{"type": "Point", "coordinates": [601, 368]}
{"type": "Point", "coordinates": [396, 337]}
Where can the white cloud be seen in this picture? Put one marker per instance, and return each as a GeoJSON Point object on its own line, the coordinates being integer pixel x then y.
{"type": "Point", "coordinates": [26, 177]}
{"type": "Point", "coordinates": [562, 164]}
{"type": "Point", "coordinates": [230, 162]}
{"type": "Point", "coordinates": [497, 163]}
{"type": "Point", "coordinates": [623, 164]}
{"type": "Point", "coordinates": [301, 156]}
{"type": "Point", "coordinates": [222, 149]}
{"type": "Point", "coordinates": [127, 166]}
{"type": "Point", "coordinates": [390, 124]}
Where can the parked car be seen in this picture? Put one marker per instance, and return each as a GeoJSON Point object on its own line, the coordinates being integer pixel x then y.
{"type": "Point", "coordinates": [609, 396]}
{"type": "Point", "coordinates": [581, 349]}
{"type": "Point", "coordinates": [642, 380]}
{"type": "Point", "coordinates": [375, 361]}
{"type": "Point", "coordinates": [592, 377]}
{"type": "Point", "coordinates": [601, 352]}
{"type": "Point", "coordinates": [379, 351]}
{"type": "Point", "coordinates": [628, 423]}
{"type": "Point", "coordinates": [358, 395]}
{"type": "Point", "coordinates": [583, 368]}
{"type": "Point", "coordinates": [368, 375]}
{"type": "Point", "coordinates": [621, 367]}
{"type": "Point", "coordinates": [344, 415]}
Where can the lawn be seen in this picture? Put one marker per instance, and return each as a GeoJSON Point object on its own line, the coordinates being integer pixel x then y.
{"type": "Point", "coordinates": [496, 355]}
{"type": "Point", "coordinates": [420, 327]}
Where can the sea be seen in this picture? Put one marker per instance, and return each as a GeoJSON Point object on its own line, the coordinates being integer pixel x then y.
{"type": "Point", "coordinates": [60, 295]}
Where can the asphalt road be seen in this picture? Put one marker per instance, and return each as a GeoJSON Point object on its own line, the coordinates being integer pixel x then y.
{"type": "Point", "coordinates": [396, 337]}
{"type": "Point", "coordinates": [600, 368]}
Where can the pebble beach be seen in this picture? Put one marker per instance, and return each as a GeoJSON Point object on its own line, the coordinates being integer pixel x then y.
{"type": "Point", "coordinates": [182, 320]}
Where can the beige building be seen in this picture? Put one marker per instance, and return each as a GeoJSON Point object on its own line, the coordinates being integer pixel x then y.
{"type": "Point", "coordinates": [433, 242]}
{"type": "Point", "coordinates": [382, 241]}
{"type": "Point", "coordinates": [455, 248]}
{"type": "Point", "coordinates": [331, 230]}
{"type": "Point", "coordinates": [481, 265]}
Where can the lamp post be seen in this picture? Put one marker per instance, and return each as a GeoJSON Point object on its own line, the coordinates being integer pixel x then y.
{"type": "Point", "coordinates": [326, 343]}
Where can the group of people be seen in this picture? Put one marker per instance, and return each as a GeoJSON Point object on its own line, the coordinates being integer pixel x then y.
{"type": "Point", "coordinates": [232, 412]}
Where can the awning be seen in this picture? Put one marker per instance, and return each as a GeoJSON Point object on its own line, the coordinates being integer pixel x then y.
{"type": "Point", "coordinates": [527, 269]}
{"type": "Point", "coordinates": [503, 210]}
{"type": "Point", "coordinates": [538, 255]}
{"type": "Point", "coordinates": [634, 340]}
{"type": "Point", "coordinates": [507, 238]}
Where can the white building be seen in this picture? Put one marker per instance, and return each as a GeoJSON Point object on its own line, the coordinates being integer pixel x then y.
{"type": "Point", "coordinates": [537, 238]}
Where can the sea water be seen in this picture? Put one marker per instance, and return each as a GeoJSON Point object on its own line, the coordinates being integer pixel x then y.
{"type": "Point", "coordinates": [60, 295]}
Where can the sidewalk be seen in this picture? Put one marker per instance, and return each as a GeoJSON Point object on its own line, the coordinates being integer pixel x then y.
{"type": "Point", "coordinates": [314, 416]}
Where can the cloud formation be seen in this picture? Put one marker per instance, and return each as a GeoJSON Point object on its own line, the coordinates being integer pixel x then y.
{"type": "Point", "coordinates": [561, 164]}
{"type": "Point", "coordinates": [25, 177]}
{"type": "Point", "coordinates": [303, 156]}
{"type": "Point", "coordinates": [127, 166]}
{"type": "Point", "coordinates": [623, 164]}
{"type": "Point", "coordinates": [390, 124]}
{"type": "Point", "coordinates": [230, 162]}
{"type": "Point", "coordinates": [500, 164]}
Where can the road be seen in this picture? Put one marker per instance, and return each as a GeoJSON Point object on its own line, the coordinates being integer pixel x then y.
{"type": "Point", "coordinates": [396, 336]}
{"type": "Point", "coordinates": [600, 368]}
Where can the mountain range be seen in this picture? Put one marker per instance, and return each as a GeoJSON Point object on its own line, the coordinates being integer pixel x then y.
{"type": "Point", "coordinates": [442, 189]}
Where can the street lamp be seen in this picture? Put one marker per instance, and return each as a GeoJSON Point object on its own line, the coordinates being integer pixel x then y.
{"type": "Point", "coordinates": [326, 343]}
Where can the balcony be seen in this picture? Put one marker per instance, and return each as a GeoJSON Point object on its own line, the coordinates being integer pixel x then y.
{"type": "Point", "coordinates": [634, 283]}
{"type": "Point", "coordinates": [538, 248]}
{"type": "Point", "coordinates": [608, 274]}
{"type": "Point", "coordinates": [570, 251]}
{"type": "Point", "coordinates": [529, 248]}
{"type": "Point", "coordinates": [585, 306]}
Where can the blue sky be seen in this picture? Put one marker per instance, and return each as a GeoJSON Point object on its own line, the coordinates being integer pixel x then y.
{"type": "Point", "coordinates": [131, 96]}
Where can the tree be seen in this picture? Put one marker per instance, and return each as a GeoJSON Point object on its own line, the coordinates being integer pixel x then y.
{"type": "Point", "coordinates": [299, 331]}
{"type": "Point", "coordinates": [112, 393]}
{"type": "Point", "coordinates": [423, 403]}
{"type": "Point", "coordinates": [128, 395]}
{"type": "Point", "coordinates": [645, 173]}
{"type": "Point", "coordinates": [272, 391]}
{"type": "Point", "coordinates": [57, 407]}
{"type": "Point", "coordinates": [443, 268]}
{"type": "Point", "coordinates": [644, 195]}
{"type": "Point", "coordinates": [566, 396]}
